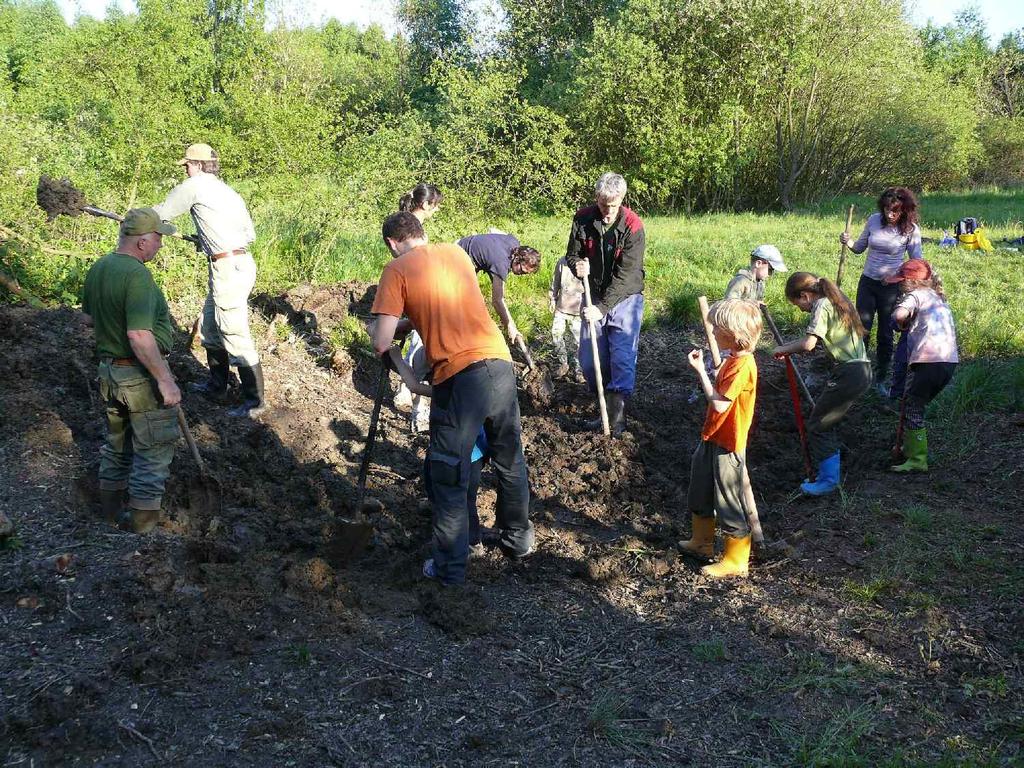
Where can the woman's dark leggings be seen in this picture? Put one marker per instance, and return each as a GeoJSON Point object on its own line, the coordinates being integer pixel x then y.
{"type": "Point", "coordinates": [877, 298]}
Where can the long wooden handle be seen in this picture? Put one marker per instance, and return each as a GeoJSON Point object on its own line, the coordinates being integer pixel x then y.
{"type": "Point", "coordinates": [716, 355]}
{"type": "Point", "coordinates": [183, 423]}
{"type": "Point", "coordinates": [780, 341]}
{"type": "Point", "coordinates": [597, 362]}
{"type": "Point", "coordinates": [92, 210]}
{"type": "Point", "coordinates": [845, 249]}
{"type": "Point", "coordinates": [521, 344]}
{"type": "Point", "coordinates": [371, 436]}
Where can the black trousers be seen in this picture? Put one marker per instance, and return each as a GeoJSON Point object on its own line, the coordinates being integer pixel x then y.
{"type": "Point", "coordinates": [484, 394]}
{"type": "Point", "coordinates": [924, 383]}
{"type": "Point", "coordinates": [877, 298]}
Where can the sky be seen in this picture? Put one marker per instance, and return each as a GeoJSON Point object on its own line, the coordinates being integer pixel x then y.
{"type": "Point", "coordinates": [1001, 16]}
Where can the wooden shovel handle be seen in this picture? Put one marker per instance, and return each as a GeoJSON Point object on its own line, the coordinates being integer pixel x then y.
{"type": "Point", "coordinates": [716, 355]}
{"type": "Point", "coordinates": [102, 213]}
{"type": "Point", "coordinates": [845, 249]}
{"type": "Point", "coordinates": [597, 362]}
{"type": "Point", "coordinates": [780, 341]}
{"type": "Point", "coordinates": [183, 423]}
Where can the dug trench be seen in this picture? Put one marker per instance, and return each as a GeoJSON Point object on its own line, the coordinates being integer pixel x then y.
{"type": "Point", "coordinates": [889, 614]}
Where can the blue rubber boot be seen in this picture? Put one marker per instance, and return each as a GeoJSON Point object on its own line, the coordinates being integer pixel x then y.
{"type": "Point", "coordinates": [828, 478]}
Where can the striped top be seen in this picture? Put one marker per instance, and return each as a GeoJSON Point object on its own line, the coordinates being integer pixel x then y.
{"type": "Point", "coordinates": [886, 247]}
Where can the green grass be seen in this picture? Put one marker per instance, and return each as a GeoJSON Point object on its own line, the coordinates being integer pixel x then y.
{"type": "Point", "coordinates": [710, 650]}
{"type": "Point", "coordinates": [868, 591]}
{"type": "Point", "coordinates": [605, 721]}
{"type": "Point", "coordinates": [919, 516]}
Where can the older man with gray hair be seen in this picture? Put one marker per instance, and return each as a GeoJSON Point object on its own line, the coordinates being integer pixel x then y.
{"type": "Point", "coordinates": [606, 247]}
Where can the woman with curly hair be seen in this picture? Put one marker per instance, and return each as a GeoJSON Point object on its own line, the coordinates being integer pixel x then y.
{"type": "Point", "coordinates": [889, 235]}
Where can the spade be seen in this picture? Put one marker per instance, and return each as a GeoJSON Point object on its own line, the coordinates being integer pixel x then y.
{"type": "Point", "coordinates": [59, 197]}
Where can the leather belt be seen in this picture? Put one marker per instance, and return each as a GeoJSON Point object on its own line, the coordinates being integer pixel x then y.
{"type": "Point", "coordinates": [219, 256]}
{"type": "Point", "coordinates": [128, 361]}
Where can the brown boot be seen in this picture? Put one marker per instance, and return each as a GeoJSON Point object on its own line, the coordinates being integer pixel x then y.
{"type": "Point", "coordinates": [734, 561]}
{"type": "Point", "coordinates": [703, 542]}
{"type": "Point", "coordinates": [111, 503]}
{"type": "Point", "coordinates": [143, 520]}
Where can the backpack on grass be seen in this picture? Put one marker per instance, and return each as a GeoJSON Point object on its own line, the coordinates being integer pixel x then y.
{"type": "Point", "coordinates": [965, 226]}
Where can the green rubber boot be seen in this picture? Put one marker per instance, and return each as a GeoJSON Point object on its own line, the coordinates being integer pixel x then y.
{"type": "Point", "coordinates": [915, 449]}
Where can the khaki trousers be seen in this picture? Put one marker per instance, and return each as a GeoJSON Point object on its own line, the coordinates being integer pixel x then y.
{"type": "Point", "coordinates": [226, 310]}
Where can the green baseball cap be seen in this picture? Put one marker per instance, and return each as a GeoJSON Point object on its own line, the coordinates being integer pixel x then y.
{"type": "Point", "coordinates": [142, 221]}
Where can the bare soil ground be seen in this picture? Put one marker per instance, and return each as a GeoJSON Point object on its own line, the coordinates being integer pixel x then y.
{"type": "Point", "coordinates": [886, 630]}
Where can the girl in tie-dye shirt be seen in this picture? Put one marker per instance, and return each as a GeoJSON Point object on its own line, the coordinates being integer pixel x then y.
{"type": "Point", "coordinates": [927, 322]}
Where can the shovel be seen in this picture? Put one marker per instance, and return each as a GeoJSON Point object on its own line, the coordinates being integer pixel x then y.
{"type": "Point", "coordinates": [592, 326]}
{"type": "Point", "coordinates": [348, 537]}
{"type": "Point", "coordinates": [542, 379]}
{"type": "Point", "coordinates": [780, 341]}
{"type": "Point", "coordinates": [843, 251]}
{"type": "Point", "coordinates": [798, 414]}
{"type": "Point", "coordinates": [204, 491]}
{"type": "Point", "coordinates": [59, 197]}
{"type": "Point", "coordinates": [897, 449]}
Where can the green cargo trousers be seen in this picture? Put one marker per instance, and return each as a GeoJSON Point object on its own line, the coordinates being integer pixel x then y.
{"type": "Point", "coordinates": [141, 435]}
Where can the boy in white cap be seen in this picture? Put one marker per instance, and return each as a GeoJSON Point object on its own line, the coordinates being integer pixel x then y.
{"type": "Point", "coordinates": [749, 283]}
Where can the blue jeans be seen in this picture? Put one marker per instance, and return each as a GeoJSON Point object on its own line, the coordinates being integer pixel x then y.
{"type": "Point", "coordinates": [618, 341]}
{"type": "Point", "coordinates": [484, 394]}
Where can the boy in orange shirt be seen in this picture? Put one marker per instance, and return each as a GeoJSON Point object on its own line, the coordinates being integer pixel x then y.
{"type": "Point", "coordinates": [718, 470]}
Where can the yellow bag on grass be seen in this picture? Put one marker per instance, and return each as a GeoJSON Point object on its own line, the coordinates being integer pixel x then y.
{"type": "Point", "coordinates": [975, 241]}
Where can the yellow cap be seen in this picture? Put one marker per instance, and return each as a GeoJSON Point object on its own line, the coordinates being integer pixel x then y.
{"type": "Point", "coordinates": [142, 221]}
{"type": "Point", "coordinates": [197, 152]}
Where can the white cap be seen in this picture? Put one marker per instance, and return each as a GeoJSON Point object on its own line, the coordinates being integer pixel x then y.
{"type": "Point", "coordinates": [770, 254]}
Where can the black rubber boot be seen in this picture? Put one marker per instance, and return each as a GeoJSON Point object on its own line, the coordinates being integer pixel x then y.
{"type": "Point", "coordinates": [616, 413]}
{"type": "Point", "coordinates": [111, 503]}
{"type": "Point", "coordinates": [253, 403]}
{"type": "Point", "coordinates": [615, 404]}
{"type": "Point", "coordinates": [216, 387]}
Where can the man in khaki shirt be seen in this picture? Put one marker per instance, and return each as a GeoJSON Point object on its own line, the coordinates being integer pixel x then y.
{"type": "Point", "coordinates": [225, 231]}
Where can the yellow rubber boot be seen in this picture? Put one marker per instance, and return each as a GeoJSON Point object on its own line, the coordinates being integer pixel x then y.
{"type": "Point", "coordinates": [734, 562]}
{"type": "Point", "coordinates": [703, 542]}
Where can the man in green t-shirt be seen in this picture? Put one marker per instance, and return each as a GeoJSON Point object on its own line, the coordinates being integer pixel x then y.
{"type": "Point", "coordinates": [133, 336]}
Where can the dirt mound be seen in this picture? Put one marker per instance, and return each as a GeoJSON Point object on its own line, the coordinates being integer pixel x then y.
{"type": "Point", "coordinates": [59, 197]}
{"type": "Point", "coordinates": [581, 646]}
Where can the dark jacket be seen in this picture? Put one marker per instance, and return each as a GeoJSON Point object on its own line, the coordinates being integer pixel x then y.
{"type": "Point", "coordinates": [616, 255]}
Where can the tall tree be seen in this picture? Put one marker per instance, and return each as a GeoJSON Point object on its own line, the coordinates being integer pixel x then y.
{"type": "Point", "coordinates": [438, 31]}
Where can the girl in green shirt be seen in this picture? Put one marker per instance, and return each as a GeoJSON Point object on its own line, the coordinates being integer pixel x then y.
{"type": "Point", "coordinates": [835, 323]}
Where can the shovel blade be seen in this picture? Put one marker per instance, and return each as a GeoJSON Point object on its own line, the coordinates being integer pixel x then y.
{"type": "Point", "coordinates": [345, 540]}
{"type": "Point", "coordinates": [204, 496]}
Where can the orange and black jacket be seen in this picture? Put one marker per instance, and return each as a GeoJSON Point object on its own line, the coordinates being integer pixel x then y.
{"type": "Point", "coordinates": [616, 254]}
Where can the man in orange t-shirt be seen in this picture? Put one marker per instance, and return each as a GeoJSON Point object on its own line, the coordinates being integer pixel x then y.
{"type": "Point", "coordinates": [719, 484]}
{"type": "Point", "coordinates": [474, 386]}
